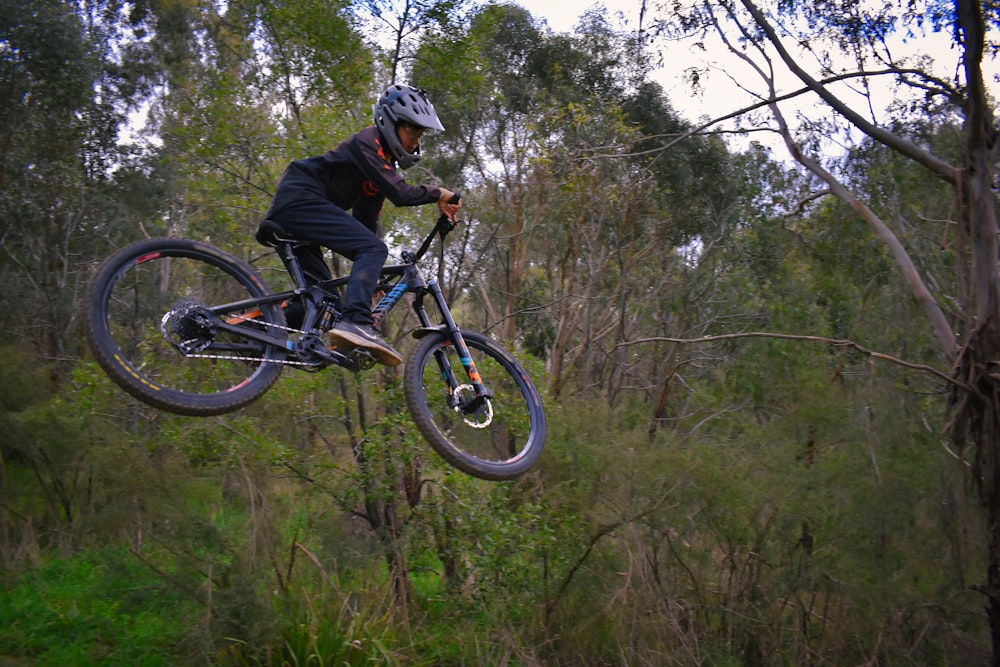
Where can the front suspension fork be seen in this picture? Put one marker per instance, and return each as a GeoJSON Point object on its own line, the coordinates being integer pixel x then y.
{"type": "Point", "coordinates": [482, 393]}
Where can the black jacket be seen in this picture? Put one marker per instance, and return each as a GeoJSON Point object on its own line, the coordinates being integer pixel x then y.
{"type": "Point", "coordinates": [357, 176]}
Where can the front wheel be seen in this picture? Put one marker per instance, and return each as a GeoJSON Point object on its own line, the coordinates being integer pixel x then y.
{"type": "Point", "coordinates": [495, 438]}
{"type": "Point", "coordinates": [160, 326]}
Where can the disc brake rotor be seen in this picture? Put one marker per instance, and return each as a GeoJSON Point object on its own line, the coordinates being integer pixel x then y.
{"type": "Point", "coordinates": [482, 417]}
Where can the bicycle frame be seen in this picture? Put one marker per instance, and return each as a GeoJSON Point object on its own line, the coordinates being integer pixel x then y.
{"type": "Point", "coordinates": [320, 299]}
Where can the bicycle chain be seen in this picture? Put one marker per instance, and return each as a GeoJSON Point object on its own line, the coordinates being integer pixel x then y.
{"type": "Point", "coordinates": [362, 358]}
{"type": "Point", "coordinates": [285, 362]}
{"type": "Point", "coordinates": [270, 325]}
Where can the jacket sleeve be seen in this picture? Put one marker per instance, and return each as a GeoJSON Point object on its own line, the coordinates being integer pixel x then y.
{"type": "Point", "coordinates": [374, 163]}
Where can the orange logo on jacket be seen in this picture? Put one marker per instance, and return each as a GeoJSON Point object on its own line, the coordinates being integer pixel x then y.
{"type": "Point", "coordinates": [369, 189]}
{"type": "Point", "coordinates": [386, 162]}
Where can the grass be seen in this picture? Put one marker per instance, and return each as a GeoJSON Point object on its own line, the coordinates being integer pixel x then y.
{"type": "Point", "coordinates": [99, 607]}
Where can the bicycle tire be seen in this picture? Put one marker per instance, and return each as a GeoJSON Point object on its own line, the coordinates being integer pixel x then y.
{"type": "Point", "coordinates": [148, 312]}
{"type": "Point", "coordinates": [502, 447]}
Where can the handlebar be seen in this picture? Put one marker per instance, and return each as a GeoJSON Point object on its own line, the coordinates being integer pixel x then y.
{"type": "Point", "coordinates": [443, 226]}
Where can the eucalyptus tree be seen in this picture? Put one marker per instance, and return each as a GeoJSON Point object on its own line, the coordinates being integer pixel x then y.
{"type": "Point", "coordinates": [70, 75]}
{"type": "Point", "coordinates": [837, 57]}
{"type": "Point", "coordinates": [486, 97]}
{"type": "Point", "coordinates": [400, 25]}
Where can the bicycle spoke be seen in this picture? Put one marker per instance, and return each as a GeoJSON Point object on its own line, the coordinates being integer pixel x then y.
{"type": "Point", "coordinates": [153, 332]}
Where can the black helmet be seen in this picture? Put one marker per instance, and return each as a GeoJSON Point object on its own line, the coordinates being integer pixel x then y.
{"type": "Point", "coordinates": [404, 104]}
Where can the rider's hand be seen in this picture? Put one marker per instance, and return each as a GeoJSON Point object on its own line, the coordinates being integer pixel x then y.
{"type": "Point", "coordinates": [448, 209]}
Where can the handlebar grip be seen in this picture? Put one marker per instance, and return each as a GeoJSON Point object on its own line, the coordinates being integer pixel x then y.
{"type": "Point", "coordinates": [455, 198]}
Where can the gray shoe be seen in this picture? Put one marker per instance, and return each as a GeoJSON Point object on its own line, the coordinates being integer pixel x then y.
{"type": "Point", "coordinates": [364, 335]}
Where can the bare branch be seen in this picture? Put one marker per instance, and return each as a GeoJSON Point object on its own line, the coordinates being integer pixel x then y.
{"type": "Point", "coordinates": [940, 88]}
{"type": "Point", "coordinates": [800, 205]}
{"type": "Point", "coordinates": [835, 342]}
{"type": "Point", "coordinates": [942, 328]}
{"type": "Point", "coordinates": [907, 148]}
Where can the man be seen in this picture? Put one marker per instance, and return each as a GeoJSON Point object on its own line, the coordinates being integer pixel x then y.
{"type": "Point", "coordinates": [315, 194]}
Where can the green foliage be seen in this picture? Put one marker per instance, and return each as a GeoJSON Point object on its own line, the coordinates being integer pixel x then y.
{"type": "Point", "coordinates": [791, 536]}
{"type": "Point", "coordinates": [101, 606]}
{"type": "Point", "coordinates": [59, 144]}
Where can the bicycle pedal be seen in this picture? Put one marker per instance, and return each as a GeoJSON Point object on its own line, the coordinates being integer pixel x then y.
{"type": "Point", "coordinates": [362, 357]}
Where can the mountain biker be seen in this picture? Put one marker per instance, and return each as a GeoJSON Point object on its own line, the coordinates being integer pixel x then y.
{"type": "Point", "coordinates": [314, 195]}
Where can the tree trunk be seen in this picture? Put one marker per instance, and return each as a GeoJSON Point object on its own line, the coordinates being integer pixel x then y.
{"type": "Point", "coordinates": [978, 412]}
{"type": "Point", "coordinates": [976, 422]}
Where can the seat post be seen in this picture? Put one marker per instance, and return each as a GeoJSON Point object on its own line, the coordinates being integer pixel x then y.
{"type": "Point", "coordinates": [291, 263]}
{"type": "Point", "coordinates": [271, 234]}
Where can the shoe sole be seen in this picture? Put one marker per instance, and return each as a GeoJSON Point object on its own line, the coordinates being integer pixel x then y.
{"type": "Point", "coordinates": [384, 356]}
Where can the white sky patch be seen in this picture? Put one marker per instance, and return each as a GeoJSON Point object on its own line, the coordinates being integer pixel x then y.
{"type": "Point", "coordinates": [563, 15]}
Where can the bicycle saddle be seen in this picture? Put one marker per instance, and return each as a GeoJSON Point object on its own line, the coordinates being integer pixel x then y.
{"type": "Point", "coordinates": [271, 234]}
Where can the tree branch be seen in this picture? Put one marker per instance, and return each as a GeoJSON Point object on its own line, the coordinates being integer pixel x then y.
{"type": "Point", "coordinates": [942, 328]}
{"type": "Point", "coordinates": [907, 148]}
{"type": "Point", "coordinates": [835, 342]}
{"type": "Point", "coordinates": [600, 533]}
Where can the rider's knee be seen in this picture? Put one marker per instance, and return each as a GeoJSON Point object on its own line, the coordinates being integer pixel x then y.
{"type": "Point", "coordinates": [378, 250]}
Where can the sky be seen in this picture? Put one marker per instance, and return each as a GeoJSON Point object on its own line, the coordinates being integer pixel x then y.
{"type": "Point", "coordinates": [562, 15]}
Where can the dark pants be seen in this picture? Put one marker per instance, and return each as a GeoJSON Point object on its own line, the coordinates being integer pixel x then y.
{"type": "Point", "coordinates": [326, 224]}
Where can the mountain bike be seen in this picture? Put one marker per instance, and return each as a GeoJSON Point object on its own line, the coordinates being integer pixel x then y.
{"type": "Point", "coordinates": [191, 329]}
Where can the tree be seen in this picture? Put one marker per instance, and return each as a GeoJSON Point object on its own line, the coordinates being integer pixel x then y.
{"type": "Point", "coordinates": [556, 128]}
{"type": "Point", "coordinates": [67, 91]}
{"type": "Point", "coordinates": [406, 21]}
{"type": "Point", "coordinates": [774, 45]}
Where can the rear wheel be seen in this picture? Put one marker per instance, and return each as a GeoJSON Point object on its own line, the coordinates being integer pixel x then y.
{"type": "Point", "coordinates": [156, 326]}
{"type": "Point", "coordinates": [497, 438]}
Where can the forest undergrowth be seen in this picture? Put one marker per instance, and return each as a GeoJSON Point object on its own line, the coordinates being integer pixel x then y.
{"type": "Point", "coordinates": [806, 534]}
